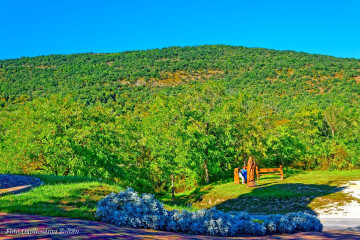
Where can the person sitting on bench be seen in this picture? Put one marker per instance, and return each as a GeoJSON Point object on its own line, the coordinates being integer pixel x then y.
{"type": "Point", "coordinates": [243, 175]}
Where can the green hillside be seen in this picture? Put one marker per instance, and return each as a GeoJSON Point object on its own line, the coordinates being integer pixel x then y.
{"type": "Point", "coordinates": [178, 117]}
{"type": "Point", "coordinates": [284, 75]}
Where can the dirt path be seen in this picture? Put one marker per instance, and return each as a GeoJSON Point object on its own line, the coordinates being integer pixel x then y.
{"type": "Point", "coordinates": [65, 228]}
{"type": "Point", "coordinates": [11, 184]}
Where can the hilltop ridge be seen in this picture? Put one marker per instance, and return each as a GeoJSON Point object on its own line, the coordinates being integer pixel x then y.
{"type": "Point", "coordinates": [101, 77]}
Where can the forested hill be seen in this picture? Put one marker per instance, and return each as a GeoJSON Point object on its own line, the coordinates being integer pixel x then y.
{"type": "Point", "coordinates": [285, 75]}
{"type": "Point", "coordinates": [176, 118]}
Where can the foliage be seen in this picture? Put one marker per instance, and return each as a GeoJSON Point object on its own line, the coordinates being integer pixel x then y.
{"type": "Point", "coordinates": [175, 118]}
{"type": "Point", "coordinates": [128, 209]}
{"type": "Point", "coordinates": [59, 136]}
{"type": "Point", "coordinates": [286, 76]}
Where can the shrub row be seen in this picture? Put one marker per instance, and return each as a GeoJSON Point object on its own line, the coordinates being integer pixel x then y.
{"type": "Point", "coordinates": [128, 209]}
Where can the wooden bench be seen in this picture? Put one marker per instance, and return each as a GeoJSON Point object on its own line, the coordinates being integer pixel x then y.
{"type": "Point", "coordinates": [264, 171]}
{"type": "Point", "coordinates": [236, 176]}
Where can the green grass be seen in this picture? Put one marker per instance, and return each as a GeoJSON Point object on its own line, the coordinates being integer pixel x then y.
{"type": "Point", "coordinates": [299, 191]}
{"type": "Point", "coordinates": [74, 197]}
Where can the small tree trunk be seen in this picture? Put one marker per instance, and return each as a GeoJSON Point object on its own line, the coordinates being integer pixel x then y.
{"type": "Point", "coordinates": [67, 171]}
{"type": "Point", "coordinates": [172, 185]}
{"type": "Point", "coordinates": [206, 172]}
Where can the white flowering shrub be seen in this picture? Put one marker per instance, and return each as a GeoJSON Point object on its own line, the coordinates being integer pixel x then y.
{"type": "Point", "coordinates": [278, 224]}
{"type": "Point", "coordinates": [305, 222]}
{"type": "Point", "coordinates": [128, 209]}
{"type": "Point", "coordinates": [292, 222]}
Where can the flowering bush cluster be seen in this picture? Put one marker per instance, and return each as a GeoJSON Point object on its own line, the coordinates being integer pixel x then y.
{"type": "Point", "coordinates": [128, 209]}
{"type": "Point", "coordinates": [292, 222]}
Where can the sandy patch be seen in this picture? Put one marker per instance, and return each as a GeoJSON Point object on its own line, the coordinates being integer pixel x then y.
{"type": "Point", "coordinates": [350, 210]}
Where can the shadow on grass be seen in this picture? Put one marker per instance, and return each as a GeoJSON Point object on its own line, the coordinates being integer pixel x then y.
{"type": "Point", "coordinates": [288, 172]}
{"type": "Point", "coordinates": [54, 179]}
{"type": "Point", "coordinates": [278, 198]}
{"type": "Point", "coordinates": [183, 201]}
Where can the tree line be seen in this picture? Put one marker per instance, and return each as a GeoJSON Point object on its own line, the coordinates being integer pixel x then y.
{"type": "Point", "coordinates": [174, 141]}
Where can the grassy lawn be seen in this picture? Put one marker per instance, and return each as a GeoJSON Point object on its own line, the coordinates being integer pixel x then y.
{"type": "Point", "coordinates": [73, 197]}
{"type": "Point", "coordinates": [76, 197]}
{"type": "Point", "coordinates": [299, 191]}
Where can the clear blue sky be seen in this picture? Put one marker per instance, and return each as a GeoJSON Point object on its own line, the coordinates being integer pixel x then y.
{"type": "Point", "coordinates": [32, 28]}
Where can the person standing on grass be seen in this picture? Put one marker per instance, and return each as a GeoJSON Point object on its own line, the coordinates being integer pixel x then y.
{"type": "Point", "coordinates": [243, 175]}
